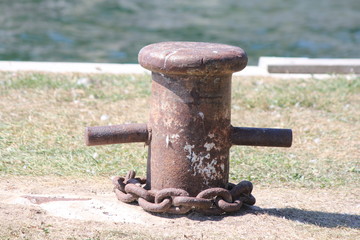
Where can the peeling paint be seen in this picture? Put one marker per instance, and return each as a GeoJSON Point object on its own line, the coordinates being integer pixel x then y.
{"type": "Point", "coordinates": [201, 114]}
{"type": "Point", "coordinates": [189, 148]}
{"type": "Point", "coordinates": [175, 136]}
{"type": "Point", "coordinates": [167, 141]}
{"type": "Point", "coordinates": [171, 139]}
{"type": "Point", "coordinates": [209, 146]}
{"type": "Point", "coordinates": [207, 170]}
{"type": "Point", "coordinates": [203, 167]}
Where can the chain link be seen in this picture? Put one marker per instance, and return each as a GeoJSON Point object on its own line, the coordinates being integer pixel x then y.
{"type": "Point", "coordinates": [212, 201]}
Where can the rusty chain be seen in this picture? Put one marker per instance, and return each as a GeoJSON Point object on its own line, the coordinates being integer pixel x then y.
{"type": "Point", "coordinates": [212, 201]}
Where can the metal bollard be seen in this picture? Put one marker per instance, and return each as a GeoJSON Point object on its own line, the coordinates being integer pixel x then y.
{"type": "Point", "coordinates": [189, 132]}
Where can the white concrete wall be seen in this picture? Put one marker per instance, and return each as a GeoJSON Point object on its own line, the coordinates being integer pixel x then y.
{"type": "Point", "coordinates": [268, 66]}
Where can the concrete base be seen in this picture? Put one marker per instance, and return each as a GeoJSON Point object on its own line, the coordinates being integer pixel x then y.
{"type": "Point", "coordinates": [102, 208]}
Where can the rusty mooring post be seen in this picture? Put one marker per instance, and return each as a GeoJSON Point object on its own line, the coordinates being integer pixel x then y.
{"type": "Point", "coordinates": [189, 132]}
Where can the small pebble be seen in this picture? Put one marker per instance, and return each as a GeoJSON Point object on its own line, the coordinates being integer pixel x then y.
{"type": "Point", "coordinates": [104, 117]}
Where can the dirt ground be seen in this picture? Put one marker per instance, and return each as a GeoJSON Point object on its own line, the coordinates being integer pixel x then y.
{"type": "Point", "coordinates": [280, 213]}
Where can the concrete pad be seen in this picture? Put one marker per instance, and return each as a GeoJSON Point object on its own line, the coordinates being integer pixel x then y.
{"type": "Point", "coordinates": [310, 66]}
{"type": "Point", "coordinates": [104, 208]}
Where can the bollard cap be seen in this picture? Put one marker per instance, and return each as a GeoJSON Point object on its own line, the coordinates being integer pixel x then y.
{"type": "Point", "coordinates": [192, 58]}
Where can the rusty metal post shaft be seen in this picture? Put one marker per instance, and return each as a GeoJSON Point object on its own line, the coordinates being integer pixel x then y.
{"type": "Point", "coordinates": [189, 132]}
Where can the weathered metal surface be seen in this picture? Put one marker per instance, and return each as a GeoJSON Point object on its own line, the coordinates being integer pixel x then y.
{"type": "Point", "coordinates": [125, 133]}
{"type": "Point", "coordinates": [267, 137]}
{"type": "Point", "coordinates": [190, 113]}
{"type": "Point", "coordinates": [190, 123]}
{"type": "Point", "coordinates": [192, 58]}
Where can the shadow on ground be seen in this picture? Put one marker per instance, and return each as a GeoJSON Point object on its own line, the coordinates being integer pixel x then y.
{"type": "Point", "coordinates": [321, 219]}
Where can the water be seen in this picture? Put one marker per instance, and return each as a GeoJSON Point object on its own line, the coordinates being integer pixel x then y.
{"type": "Point", "coordinates": [115, 30]}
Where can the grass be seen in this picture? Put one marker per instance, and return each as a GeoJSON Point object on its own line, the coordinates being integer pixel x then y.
{"type": "Point", "coordinates": [43, 116]}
